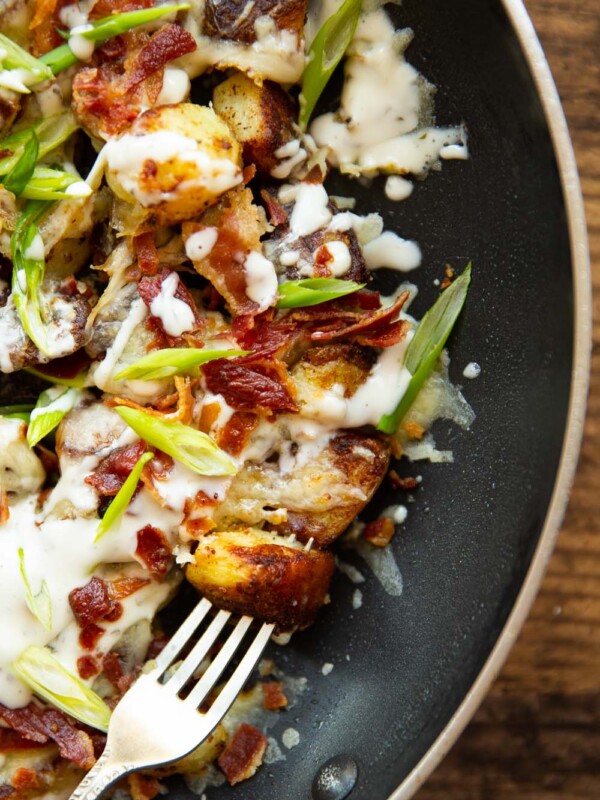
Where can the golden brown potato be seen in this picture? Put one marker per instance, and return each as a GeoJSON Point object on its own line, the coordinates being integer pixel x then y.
{"type": "Point", "coordinates": [329, 365]}
{"type": "Point", "coordinates": [21, 471]}
{"type": "Point", "coordinates": [199, 759]}
{"type": "Point", "coordinates": [173, 162]}
{"type": "Point", "coordinates": [263, 575]}
{"type": "Point", "coordinates": [261, 118]}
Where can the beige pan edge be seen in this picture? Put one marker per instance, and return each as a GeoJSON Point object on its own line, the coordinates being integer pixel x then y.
{"type": "Point", "coordinates": [575, 419]}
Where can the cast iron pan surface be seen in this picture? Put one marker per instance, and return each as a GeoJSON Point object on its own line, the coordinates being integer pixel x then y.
{"type": "Point", "coordinates": [402, 665]}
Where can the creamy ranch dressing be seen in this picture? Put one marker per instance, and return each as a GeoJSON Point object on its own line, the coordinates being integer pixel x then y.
{"type": "Point", "coordinates": [200, 244]}
{"type": "Point", "coordinates": [379, 125]}
{"type": "Point", "coordinates": [175, 87]}
{"type": "Point", "coordinates": [175, 315]}
{"type": "Point", "coordinates": [261, 280]}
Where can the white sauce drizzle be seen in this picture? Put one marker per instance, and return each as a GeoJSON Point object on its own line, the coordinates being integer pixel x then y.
{"type": "Point", "coordinates": [378, 125]}
{"type": "Point", "coordinates": [336, 257]}
{"type": "Point", "coordinates": [472, 370]}
{"type": "Point", "coordinates": [291, 156]}
{"type": "Point", "coordinates": [398, 188]}
{"type": "Point", "coordinates": [175, 315]}
{"type": "Point", "coordinates": [389, 250]}
{"type": "Point", "coordinates": [82, 48]}
{"type": "Point", "coordinates": [35, 251]}
{"type": "Point", "coordinates": [200, 244]}
{"type": "Point", "coordinates": [105, 369]}
{"type": "Point", "coordinates": [261, 280]}
{"type": "Point", "coordinates": [175, 87]}
{"type": "Point", "coordinates": [310, 210]}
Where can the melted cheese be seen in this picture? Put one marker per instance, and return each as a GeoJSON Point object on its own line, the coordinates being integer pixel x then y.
{"type": "Point", "coordinates": [379, 125]}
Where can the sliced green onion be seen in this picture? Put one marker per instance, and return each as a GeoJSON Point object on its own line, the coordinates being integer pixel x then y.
{"type": "Point", "coordinates": [326, 51]}
{"type": "Point", "coordinates": [19, 408]}
{"type": "Point", "coordinates": [53, 184]}
{"type": "Point", "coordinates": [50, 133]}
{"type": "Point", "coordinates": [20, 175]}
{"type": "Point", "coordinates": [15, 58]}
{"type": "Point", "coordinates": [46, 676]}
{"type": "Point", "coordinates": [172, 361]}
{"type": "Point", "coordinates": [123, 497]}
{"type": "Point", "coordinates": [78, 382]}
{"type": "Point", "coordinates": [194, 449]}
{"type": "Point", "coordinates": [63, 57]}
{"type": "Point", "coordinates": [427, 344]}
{"type": "Point", "coordinates": [312, 291]}
{"type": "Point", "coordinates": [39, 604]}
{"type": "Point", "coordinates": [28, 272]}
{"type": "Point", "coordinates": [51, 407]}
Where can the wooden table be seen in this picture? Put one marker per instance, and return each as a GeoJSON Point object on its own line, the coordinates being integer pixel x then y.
{"type": "Point", "coordinates": [537, 735]}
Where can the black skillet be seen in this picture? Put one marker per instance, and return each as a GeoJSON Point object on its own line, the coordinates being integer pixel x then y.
{"type": "Point", "coordinates": [404, 665]}
{"type": "Point", "coordinates": [479, 531]}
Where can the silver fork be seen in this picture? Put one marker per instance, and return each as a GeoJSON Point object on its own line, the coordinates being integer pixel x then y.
{"type": "Point", "coordinates": [152, 725]}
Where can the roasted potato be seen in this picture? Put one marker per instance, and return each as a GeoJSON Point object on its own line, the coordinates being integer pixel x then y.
{"type": "Point", "coordinates": [173, 162]}
{"type": "Point", "coordinates": [260, 116]}
{"type": "Point", "coordinates": [261, 574]}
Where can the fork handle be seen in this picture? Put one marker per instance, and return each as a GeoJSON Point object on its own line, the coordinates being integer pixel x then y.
{"type": "Point", "coordinates": [102, 774]}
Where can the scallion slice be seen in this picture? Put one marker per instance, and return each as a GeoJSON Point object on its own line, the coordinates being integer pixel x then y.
{"type": "Point", "coordinates": [191, 447]}
{"type": "Point", "coordinates": [20, 175]}
{"type": "Point", "coordinates": [172, 361]}
{"type": "Point", "coordinates": [312, 291]}
{"type": "Point", "coordinates": [326, 52]}
{"type": "Point", "coordinates": [39, 604]}
{"type": "Point", "coordinates": [28, 271]}
{"type": "Point", "coordinates": [46, 676]}
{"type": "Point", "coordinates": [51, 407]}
{"type": "Point", "coordinates": [123, 497]}
{"type": "Point", "coordinates": [427, 344]}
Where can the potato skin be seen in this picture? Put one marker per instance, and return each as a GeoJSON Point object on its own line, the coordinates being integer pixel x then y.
{"type": "Point", "coordinates": [255, 572]}
{"type": "Point", "coordinates": [190, 191]}
{"type": "Point", "coordinates": [261, 118]}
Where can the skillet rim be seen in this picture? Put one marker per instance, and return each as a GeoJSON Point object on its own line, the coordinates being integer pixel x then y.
{"type": "Point", "coordinates": [580, 376]}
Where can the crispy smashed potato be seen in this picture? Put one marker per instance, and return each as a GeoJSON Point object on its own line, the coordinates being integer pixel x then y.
{"type": "Point", "coordinates": [173, 162]}
{"type": "Point", "coordinates": [263, 575]}
{"type": "Point", "coordinates": [260, 116]}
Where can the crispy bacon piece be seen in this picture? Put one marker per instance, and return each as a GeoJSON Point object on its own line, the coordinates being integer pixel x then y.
{"type": "Point", "coordinates": [12, 740]}
{"type": "Point", "coordinates": [236, 433]}
{"type": "Point", "coordinates": [90, 603]}
{"type": "Point", "coordinates": [103, 8]}
{"type": "Point", "coordinates": [112, 472]}
{"type": "Point", "coordinates": [39, 724]}
{"type": "Point", "coordinates": [366, 325]}
{"type": "Point", "coordinates": [124, 587]}
{"type": "Point", "coordinates": [167, 44]}
{"type": "Point", "coordinates": [406, 484]}
{"type": "Point", "coordinates": [146, 252]}
{"type": "Point", "coordinates": [45, 25]}
{"type": "Point", "coordinates": [261, 385]}
{"type": "Point", "coordinates": [243, 753]}
{"type": "Point", "coordinates": [277, 213]}
{"type": "Point", "coordinates": [153, 550]}
{"type": "Point", "coordinates": [24, 779]}
{"type": "Point", "coordinates": [4, 508]}
{"type": "Point", "coordinates": [87, 667]}
{"type": "Point", "coordinates": [149, 288]}
{"type": "Point", "coordinates": [273, 695]}
{"type": "Point", "coordinates": [143, 787]}
{"type": "Point", "coordinates": [126, 74]}
{"type": "Point", "coordinates": [88, 638]}
{"type": "Point", "coordinates": [269, 336]}
{"type": "Point", "coordinates": [379, 532]}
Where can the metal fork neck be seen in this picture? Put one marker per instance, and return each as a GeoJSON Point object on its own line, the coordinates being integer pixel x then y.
{"type": "Point", "coordinates": [100, 777]}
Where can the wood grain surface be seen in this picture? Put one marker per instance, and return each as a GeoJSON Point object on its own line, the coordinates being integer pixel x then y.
{"type": "Point", "coordinates": [537, 735]}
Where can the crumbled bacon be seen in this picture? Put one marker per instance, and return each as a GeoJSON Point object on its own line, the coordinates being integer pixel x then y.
{"type": "Point", "coordinates": [374, 323]}
{"type": "Point", "coordinates": [90, 603]}
{"type": "Point", "coordinates": [406, 484]}
{"type": "Point", "coordinates": [149, 288]}
{"type": "Point", "coordinates": [104, 8]}
{"type": "Point", "coordinates": [45, 25]}
{"type": "Point", "coordinates": [39, 724]}
{"type": "Point", "coordinates": [235, 435]}
{"type": "Point", "coordinates": [379, 532]}
{"type": "Point", "coordinates": [121, 588]}
{"type": "Point", "coordinates": [243, 754]}
{"type": "Point", "coordinates": [273, 695]}
{"type": "Point", "coordinates": [12, 740]}
{"type": "Point", "coordinates": [146, 252]}
{"type": "Point", "coordinates": [261, 385]}
{"type": "Point", "coordinates": [277, 213]}
{"type": "Point", "coordinates": [153, 550]}
{"type": "Point", "coordinates": [4, 507]}
{"type": "Point", "coordinates": [270, 336]}
{"type": "Point", "coordinates": [143, 787]}
{"type": "Point", "coordinates": [169, 43]}
{"type": "Point", "coordinates": [87, 667]}
{"type": "Point", "coordinates": [112, 472]}
{"type": "Point", "coordinates": [24, 779]}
